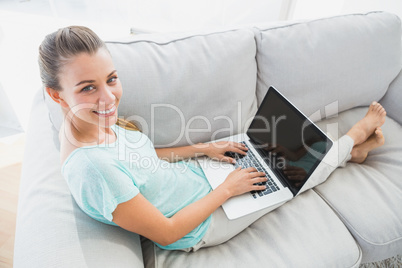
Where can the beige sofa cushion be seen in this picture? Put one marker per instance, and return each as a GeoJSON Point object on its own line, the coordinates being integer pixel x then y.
{"type": "Point", "coordinates": [177, 87]}
{"type": "Point", "coordinates": [346, 60]}
{"type": "Point", "coordinates": [368, 197]}
{"type": "Point", "coordinates": [286, 237]}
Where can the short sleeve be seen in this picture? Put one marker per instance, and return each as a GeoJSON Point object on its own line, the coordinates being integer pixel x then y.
{"type": "Point", "coordinates": [98, 184]}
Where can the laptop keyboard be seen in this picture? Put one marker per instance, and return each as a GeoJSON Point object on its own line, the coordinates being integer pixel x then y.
{"type": "Point", "coordinates": [250, 160]}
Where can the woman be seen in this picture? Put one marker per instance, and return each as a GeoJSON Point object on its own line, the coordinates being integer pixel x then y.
{"type": "Point", "coordinates": [170, 203]}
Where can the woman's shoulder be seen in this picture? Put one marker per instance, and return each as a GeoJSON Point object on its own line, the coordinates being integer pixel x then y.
{"type": "Point", "coordinates": [89, 163]}
{"type": "Point", "coordinates": [135, 138]}
{"type": "Point", "coordinates": [72, 148]}
{"type": "Point", "coordinates": [66, 147]}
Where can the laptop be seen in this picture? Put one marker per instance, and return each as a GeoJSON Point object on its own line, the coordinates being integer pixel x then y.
{"type": "Point", "coordinates": [283, 143]}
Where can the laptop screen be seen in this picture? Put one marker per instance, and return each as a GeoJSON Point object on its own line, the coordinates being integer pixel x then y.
{"type": "Point", "coordinates": [287, 140]}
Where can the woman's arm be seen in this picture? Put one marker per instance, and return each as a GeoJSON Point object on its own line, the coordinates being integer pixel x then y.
{"type": "Point", "coordinates": [138, 215]}
{"type": "Point", "coordinates": [176, 154]}
{"type": "Point", "coordinates": [214, 150]}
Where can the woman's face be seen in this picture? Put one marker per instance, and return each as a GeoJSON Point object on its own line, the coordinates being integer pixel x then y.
{"type": "Point", "coordinates": [91, 89]}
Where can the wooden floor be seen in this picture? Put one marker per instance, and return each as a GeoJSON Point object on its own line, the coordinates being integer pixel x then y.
{"type": "Point", "coordinates": [11, 154]}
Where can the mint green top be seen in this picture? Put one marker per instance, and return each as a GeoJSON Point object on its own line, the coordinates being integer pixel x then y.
{"type": "Point", "coordinates": [102, 176]}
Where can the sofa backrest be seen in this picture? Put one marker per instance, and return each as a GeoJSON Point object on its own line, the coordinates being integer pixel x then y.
{"type": "Point", "coordinates": [330, 65]}
{"type": "Point", "coordinates": [187, 88]}
{"type": "Point", "coordinates": [184, 89]}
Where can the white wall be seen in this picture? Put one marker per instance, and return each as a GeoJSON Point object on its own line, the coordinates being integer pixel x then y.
{"type": "Point", "coordinates": [309, 9]}
{"type": "Point", "coordinates": [393, 6]}
{"type": "Point", "coordinates": [183, 15]}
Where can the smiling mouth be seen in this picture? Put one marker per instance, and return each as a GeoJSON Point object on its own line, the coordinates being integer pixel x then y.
{"type": "Point", "coordinates": [106, 113]}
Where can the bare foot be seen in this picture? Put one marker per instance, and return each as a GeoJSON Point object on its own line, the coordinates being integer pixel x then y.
{"type": "Point", "coordinates": [359, 152]}
{"type": "Point", "coordinates": [374, 118]}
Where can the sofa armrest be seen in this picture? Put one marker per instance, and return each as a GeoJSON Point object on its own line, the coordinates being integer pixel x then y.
{"type": "Point", "coordinates": [51, 230]}
{"type": "Point", "coordinates": [392, 100]}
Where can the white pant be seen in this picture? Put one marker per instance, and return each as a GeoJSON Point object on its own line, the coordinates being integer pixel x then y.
{"type": "Point", "coordinates": [222, 229]}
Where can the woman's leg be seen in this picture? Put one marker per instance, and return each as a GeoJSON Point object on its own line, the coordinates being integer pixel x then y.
{"type": "Point", "coordinates": [364, 136]}
{"type": "Point", "coordinates": [360, 152]}
{"type": "Point", "coordinates": [374, 118]}
{"type": "Point", "coordinates": [222, 229]}
{"type": "Point", "coordinates": [338, 156]}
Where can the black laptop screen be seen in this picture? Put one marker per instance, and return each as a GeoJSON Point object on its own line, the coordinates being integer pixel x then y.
{"type": "Point", "coordinates": [291, 144]}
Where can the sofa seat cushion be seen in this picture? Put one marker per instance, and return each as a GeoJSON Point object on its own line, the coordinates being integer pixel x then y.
{"type": "Point", "coordinates": [349, 59]}
{"type": "Point", "coordinates": [286, 237]}
{"type": "Point", "coordinates": [176, 87]}
{"type": "Point", "coordinates": [368, 197]}
{"type": "Point", "coordinates": [52, 231]}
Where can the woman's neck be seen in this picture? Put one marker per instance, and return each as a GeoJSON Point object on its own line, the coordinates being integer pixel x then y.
{"type": "Point", "coordinates": [81, 133]}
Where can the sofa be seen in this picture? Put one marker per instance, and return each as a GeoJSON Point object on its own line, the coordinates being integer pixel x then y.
{"type": "Point", "coordinates": [185, 88]}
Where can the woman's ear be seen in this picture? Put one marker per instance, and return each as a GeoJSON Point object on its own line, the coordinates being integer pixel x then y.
{"type": "Point", "coordinates": [55, 95]}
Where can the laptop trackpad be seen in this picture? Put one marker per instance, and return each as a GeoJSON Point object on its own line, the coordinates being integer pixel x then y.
{"type": "Point", "coordinates": [215, 171]}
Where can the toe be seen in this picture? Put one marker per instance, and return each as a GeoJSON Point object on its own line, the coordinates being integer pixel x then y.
{"type": "Point", "coordinates": [378, 132]}
{"type": "Point", "coordinates": [378, 107]}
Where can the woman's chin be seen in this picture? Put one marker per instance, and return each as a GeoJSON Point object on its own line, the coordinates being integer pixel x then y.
{"type": "Point", "coordinates": [108, 122]}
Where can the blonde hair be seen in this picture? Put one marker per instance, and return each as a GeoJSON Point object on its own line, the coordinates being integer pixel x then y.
{"type": "Point", "coordinates": [127, 124]}
{"type": "Point", "coordinates": [58, 47]}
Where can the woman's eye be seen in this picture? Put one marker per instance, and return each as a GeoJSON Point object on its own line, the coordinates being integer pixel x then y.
{"type": "Point", "coordinates": [87, 88]}
{"type": "Point", "coordinates": [112, 79]}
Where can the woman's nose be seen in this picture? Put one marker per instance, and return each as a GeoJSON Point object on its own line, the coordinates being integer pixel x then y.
{"type": "Point", "coordinates": [107, 96]}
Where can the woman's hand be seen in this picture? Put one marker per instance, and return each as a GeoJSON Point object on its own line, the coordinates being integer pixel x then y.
{"type": "Point", "coordinates": [217, 150]}
{"type": "Point", "coordinates": [138, 215]}
{"type": "Point", "coordinates": [240, 181]}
